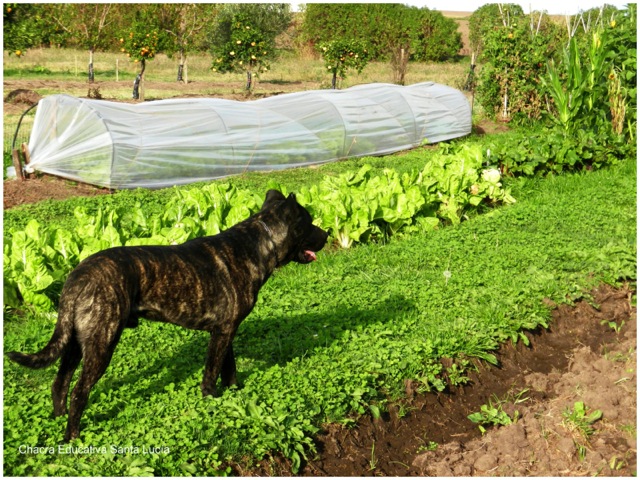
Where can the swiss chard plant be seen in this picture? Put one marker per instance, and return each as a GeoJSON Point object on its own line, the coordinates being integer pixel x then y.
{"type": "Point", "coordinates": [355, 207]}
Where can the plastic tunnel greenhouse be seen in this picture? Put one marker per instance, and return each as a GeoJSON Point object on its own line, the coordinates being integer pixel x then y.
{"type": "Point", "coordinates": [177, 141]}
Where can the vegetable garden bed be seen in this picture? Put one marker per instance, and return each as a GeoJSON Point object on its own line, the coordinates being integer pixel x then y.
{"type": "Point", "coordinates": [337, 338]}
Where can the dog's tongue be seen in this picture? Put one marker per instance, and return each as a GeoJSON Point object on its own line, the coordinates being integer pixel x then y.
{"type": "Point", "coordinates": [309, 255]}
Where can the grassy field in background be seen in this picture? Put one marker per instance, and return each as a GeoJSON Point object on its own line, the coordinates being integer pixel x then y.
{"type": "Point", "coordinates": [286, 72]}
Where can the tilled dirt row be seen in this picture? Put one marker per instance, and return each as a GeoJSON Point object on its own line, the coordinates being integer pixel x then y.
{"type": "Point", "coordinates": [588, 355]}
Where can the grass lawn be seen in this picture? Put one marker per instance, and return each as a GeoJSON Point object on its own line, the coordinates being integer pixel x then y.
{"type": "Point", "coordinates": [288, 70]}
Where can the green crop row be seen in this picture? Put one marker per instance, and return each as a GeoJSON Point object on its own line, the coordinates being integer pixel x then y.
{"type": "Point", "coordinates": [553, 150]}
{"type": "Point", "coordinates": [353, 207]}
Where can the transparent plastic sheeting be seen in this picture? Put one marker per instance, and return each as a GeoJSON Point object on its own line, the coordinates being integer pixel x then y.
{"type": "Point", "coordinates": [178, 141]}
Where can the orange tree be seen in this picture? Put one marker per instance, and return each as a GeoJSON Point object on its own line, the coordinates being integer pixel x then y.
{"type": "Point", "coordinates": [21, 27]}
{"type": "Point", "coordinates": [184, 26]}
{"type": "Point", "coordinates": [243, 38]}
{"type": "Point", "coordinates": [87, 25]}
{"type": "Point", "coordinates": [341, 55]}
{"type": "Point", "coordinates": [140, 44]}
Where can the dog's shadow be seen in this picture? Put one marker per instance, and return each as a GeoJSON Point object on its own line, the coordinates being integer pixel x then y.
{"type": "Point", "coordinates": [279, 339]}
{"type": "Point", "coordinates": [259, 344]}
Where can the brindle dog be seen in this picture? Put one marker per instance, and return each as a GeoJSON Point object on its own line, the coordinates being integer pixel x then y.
{"type": "Point", "coordinates": [209, 283]}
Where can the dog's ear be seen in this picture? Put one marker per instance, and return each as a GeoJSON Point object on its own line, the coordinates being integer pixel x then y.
{"type": "Point", "coordinates": [292, 205]}
{"type": "Point", "coordinates": [273, 197]}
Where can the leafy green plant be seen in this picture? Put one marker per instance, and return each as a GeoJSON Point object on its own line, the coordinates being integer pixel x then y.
{"type": "Point", "coordinates": [430, 446]}
{"type": "Point", "coordinates": [492, 413]}
{"type": "Point", "coordinates": [456, 372]}
{"type": "Point", "coordinates": [581, 419]}
{"type": "Point", "coordinates": [551, 151]}
{"type": "Point", "coordinates": [358, 206]}
{"type": "Point", "coordinates": [615, 326]}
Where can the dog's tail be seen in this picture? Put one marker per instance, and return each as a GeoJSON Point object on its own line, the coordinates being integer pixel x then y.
{"type": "Point", "coordinates": [53, 350]}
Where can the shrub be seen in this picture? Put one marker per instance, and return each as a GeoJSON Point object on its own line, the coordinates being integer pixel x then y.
{"type": "Point", "coordinates": [488, 17]}
{"type": "Point", "coordinates": [436, 38]}
{"type": "Point", "coordinates": [385, 28]}
{"type": "Point", "coordinates": [18, 22]}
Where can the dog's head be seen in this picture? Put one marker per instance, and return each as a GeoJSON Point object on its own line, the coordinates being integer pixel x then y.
{"type": "Point", "coordinates": [295, 234]}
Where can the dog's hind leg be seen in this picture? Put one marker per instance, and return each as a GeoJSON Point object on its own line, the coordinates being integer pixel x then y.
{"type": "Point", "coordinates": [70, 361]}
{"type": "Point", "coordinates": [97, 355]}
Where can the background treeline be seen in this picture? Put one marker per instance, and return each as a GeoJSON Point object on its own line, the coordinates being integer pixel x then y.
{"type": "Point", "coordinates": [195, 27]}
{"type": "Point", "coordinates": [426, 35]}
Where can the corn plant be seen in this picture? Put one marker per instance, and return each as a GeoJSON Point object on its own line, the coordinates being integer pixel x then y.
{"type": "Point", "coordinates": [566, 85]}
{"type": "Point", "coordinates": [585, 88]}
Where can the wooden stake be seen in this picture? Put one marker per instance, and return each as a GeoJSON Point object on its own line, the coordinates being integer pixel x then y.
{"type": "Point", "coordinates": [25, 152]}
{"type": "Point", "coordinates": [17, 164]}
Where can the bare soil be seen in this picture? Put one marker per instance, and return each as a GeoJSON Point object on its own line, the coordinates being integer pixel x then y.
{"type": "Point", "coordinates": [17, 193]}
{"type": "Point", "coordinates": [580, 358]}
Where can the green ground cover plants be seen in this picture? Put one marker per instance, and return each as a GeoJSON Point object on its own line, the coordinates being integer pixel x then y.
{"type": "Point", "coordinates": [329, 340]}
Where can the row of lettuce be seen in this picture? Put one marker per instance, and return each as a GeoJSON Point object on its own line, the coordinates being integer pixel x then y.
{"type": "Point", "coordinates": [353, 207]}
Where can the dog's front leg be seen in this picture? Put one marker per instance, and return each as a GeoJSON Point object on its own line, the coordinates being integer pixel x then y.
{"type": "Point", "coordinates": [216, 353]}
{"type": "Point", "coordinates": [228, 373]}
